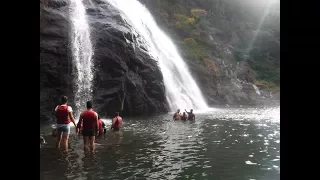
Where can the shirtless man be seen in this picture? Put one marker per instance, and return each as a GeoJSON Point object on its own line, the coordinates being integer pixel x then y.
{"type": "Point", "coordinates": [177, 115]}
{"type": "Point", "coordinates": [184, 116]}
{"type": "Point", "coordinates": [191, 116]}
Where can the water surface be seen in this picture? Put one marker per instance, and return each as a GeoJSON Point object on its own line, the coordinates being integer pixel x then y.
{"type": "Point", "coordinates": [222, 144]}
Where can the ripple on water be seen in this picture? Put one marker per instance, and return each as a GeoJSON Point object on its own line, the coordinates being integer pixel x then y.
{"type": "Point", "coordinates": [250, 163]}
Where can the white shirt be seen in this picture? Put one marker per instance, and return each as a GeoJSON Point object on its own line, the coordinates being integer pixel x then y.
{"type": "Point", "coordinates": [69, 108]}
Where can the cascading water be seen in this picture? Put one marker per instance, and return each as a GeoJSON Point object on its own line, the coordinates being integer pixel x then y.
{"type": "Point", "coordinates": [181, 89]}
{"type": "Point", "coordinates": [256, 89]}
{"type": "Point", "coordinates": [82, 55]}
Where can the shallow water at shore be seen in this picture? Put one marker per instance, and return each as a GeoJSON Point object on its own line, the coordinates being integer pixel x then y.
{"type": "Point", "coordinates": [221, 144]}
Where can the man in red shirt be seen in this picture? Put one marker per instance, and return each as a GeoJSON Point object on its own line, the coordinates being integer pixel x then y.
{"type": "Point", "coordinates": [64, 117]}
{"type": "Point", "coordinates": [90, 125]}
{"type": "Point", "coordinates": [116, 122]}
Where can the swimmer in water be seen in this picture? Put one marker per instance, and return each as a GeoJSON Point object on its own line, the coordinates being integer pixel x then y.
{"type": "Point", "coordinates": [177, 115]}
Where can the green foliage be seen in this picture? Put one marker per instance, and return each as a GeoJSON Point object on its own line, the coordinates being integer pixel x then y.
{"type": "Point", "coordinates": [184, 23]}
{"type": "Point", "coordinates": [194, 49]}
{"type": "Point", "coordinates": [267, 85]}
{"type": "Point", "coordinates": [240, 55]}
{"type": "Point", "coordinates": [164, 16]}
{"type": "Point", "coordinates": [192, 22]}
{"type": "Point", "coordinates": [262, 63]}
{"type": "Point", "coordinates": [198, 13]}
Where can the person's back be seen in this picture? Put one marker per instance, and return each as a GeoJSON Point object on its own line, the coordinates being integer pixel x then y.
{"type": "Point", "coordinates": [116, 122]}
{"type": "Point", "coordinates": [62, 114]}
{"type": "Point", "coordinates": [90, 125]}
{"type": "Point", "coordinates": [63, 118]}
{"type": "Point", "coordinates": [100, 125]}
{"type": "Point", "coordinates": [89, 120]}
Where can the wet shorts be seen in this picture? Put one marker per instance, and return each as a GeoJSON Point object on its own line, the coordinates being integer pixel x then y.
{"type": "Point", "coordinates": [63, 128]}
{"type": "Point", "coordinates": [89, 132]}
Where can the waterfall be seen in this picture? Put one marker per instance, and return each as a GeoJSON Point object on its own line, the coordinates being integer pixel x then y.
{"type": "Point", "coordinates": [81, 55]}
{"type": "Point", "coordinates": [181, 89]}
{"type": "Point", "coordinates": [256, 89]}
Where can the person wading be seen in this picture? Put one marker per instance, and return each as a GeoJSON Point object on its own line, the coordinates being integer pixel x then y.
{"type": "Point", "coordinates": [116, 122]}
{"type": "Point", "coordinates": [191, 116]}
{"type": "Point", "coordinates": [64, 116]}
{"type": "Point", "coordinates": [90, 125]}
{"type": "Point", "coordinates": [184, 116]}
{"type": "Point", "coordinates": [102, 126]}
{"type": "Point", "coordinates": [177, 115]}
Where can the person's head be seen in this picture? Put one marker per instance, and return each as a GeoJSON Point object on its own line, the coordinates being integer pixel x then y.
{"type": "Point", "coordinates": [191, 110]}
{"type": "Point", "coordinates": [178, 110]}
{"type": "Point", "coordinates": [116, 114]}
{"type": "Point", "coordinates": [184, 113]}
{"type": "Point", "coordinates": [89, 104]}
{"type": "Point", "coordinates": [64, 99]}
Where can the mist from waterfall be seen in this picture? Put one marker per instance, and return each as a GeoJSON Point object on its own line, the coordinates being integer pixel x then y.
{"type": "Point", "coordinates": [81, 55]}
{"type": "Point", "coordinates": [181, 89]}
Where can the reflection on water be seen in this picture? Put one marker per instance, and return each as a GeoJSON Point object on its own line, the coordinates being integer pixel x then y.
{"type": "Point", "coordinates": [223, 144]}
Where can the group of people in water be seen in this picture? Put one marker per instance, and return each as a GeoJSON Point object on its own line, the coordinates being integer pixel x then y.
{"type": "Point", "coordinates": [89, 125]}
{"type": "Point", "coordinates": [184, 116]}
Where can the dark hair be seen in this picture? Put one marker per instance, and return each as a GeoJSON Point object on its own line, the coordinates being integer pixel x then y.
{"type": "Point", "coordinates": [98, 116]}
{"type": "Point", "coordinates": [64, 99]}
{"type": "Point", "coordinates": [116, 114]}
{"type": "Point", "coordinates": [89, 104]}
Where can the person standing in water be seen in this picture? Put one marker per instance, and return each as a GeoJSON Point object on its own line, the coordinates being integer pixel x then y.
{"type": "Point", "coordinates": [177, 115]}
{"type": "Point", "coordinates": [102, 126]}
{"type": "Point", "coordinates": [90, 125]}
{"type": "Point", "coordinates": [116, 122]}
{"type": "Point", "coordinates": [184, 116]}
{"type": "Point", "coordinates": [191, 116]}
{"type": "Point", "coordinates": [64, 116]}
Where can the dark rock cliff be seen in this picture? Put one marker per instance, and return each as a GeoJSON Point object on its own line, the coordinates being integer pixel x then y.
{"type": "Point", "coordinates": [126, 77]}
{"type": "Point", "coordinates": [55, 61]}
{"type": "Point", "coordinates": [124, 72]}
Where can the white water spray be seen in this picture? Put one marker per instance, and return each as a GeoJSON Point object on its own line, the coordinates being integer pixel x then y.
{"type": "Point", "coordinates": [181, 89]}
{"type": "Point", "coordinates": [256, 89]}
{"type": "Point", "coordinates": [81, 54]}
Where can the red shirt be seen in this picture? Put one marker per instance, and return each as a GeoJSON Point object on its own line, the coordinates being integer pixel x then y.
{"type": "Point", "coordinates": [100, 126]}
{"type": "Point", "coordinates": [62, 115]}
{"type": "Point", "coordinates": [89, 119]}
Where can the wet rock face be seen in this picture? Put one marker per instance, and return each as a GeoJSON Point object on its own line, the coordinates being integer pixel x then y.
{"type": "Point", "coordinates": [124, 71]}
{"type": "Point", "coordinates": [55, 61]}
{"type": "Point", "coordinates": [126, 77]}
